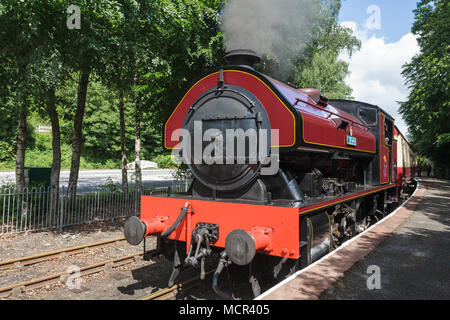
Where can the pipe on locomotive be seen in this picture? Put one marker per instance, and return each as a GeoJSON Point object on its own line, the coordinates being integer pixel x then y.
{"type": "Point", "coordinates": [223, 262]}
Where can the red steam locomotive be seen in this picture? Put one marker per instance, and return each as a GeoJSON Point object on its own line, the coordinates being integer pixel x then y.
{"type": "Point", "coordinates": [282, 175]}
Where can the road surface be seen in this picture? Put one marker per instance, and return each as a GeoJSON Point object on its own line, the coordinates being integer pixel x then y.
{"type": "Point", "coordinates": [87, 178]}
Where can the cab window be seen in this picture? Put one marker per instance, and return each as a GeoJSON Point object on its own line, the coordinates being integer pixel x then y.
{"type": "Point", "coordinates": [368, 116]}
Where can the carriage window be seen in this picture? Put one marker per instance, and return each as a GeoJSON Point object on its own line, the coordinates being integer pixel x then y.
{"type": "Point", "coordinates": [369, 116]}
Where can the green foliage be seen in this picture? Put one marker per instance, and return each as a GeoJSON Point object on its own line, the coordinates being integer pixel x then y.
{"type": "Point", "coordinates": [428, 76]}
{"type": "Point", "coordinates": [40, 155]}
{"type": "Point", "coordinates": [327, 73]}
{"type": "Point", "coordinates": [151, 50]}
{"type": "Point", "coordinates": [183, 173]}
{"type": "Point", "coordinates": [6, 151]}
{"type": "Point", "coordinates": [101, 123]}
{"type": "Point", "coordinates": [110, 186]}
{"type": "Point", "coordinates": [8, 129]}
{"type": "Point", "coordinates": [189, 43]}
{"type": "Point", "coordinates": [164, 161]}
{"type": "Point", "coordinates": [318, 65]}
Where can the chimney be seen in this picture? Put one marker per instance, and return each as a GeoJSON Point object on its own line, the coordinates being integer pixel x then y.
{"type": "Point", "coordinates": [242, 57]}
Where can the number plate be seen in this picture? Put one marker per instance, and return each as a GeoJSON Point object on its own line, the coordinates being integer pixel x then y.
{"type": "Point", "coordinates": [351, 141]}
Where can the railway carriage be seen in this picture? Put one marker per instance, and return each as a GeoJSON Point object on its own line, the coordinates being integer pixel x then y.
{"type": "Point", "coordinates": [406, 163]}
{"type": "Point", "coordinates": [282, 175]}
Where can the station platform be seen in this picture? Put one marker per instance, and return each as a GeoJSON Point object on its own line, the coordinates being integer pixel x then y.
{"type": "Point", "coordinates": [405, 256]}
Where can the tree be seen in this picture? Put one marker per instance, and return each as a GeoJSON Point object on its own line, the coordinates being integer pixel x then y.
{"type": "Point", "coordinates": [176, 40]}
{"type": "Point", "coordinates": [84, 52]}
{"type": "Point", "coordinates": [428, 76]}
{"type": "Point", "coordinates": [133, 36]}
{"type": "Point", "coordinates": [22, 34]}
{"type": "Point", "coordinates": [326, 73]}
{"type": "Point", "coordinates": [314, 62]}
{"type": "Point", "coordinates": [320, 67]}
{"type": "Point", "coordinates": [49, 74]}
{"type": "Point", "coordinates": [8, 122]}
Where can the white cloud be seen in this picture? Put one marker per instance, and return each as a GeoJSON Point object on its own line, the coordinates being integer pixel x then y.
{"type": "Point", "coordinates": [376, 71]}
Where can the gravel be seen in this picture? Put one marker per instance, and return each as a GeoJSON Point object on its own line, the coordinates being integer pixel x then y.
{"type": "Point", "coordinates": [24, 244]}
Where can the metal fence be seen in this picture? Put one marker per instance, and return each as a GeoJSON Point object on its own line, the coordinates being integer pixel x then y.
{"type": "Point", "coordinates": [41, 208]}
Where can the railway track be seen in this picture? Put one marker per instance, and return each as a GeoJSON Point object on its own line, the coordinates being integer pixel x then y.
{"type": "Point", "coordinates": [61, 276]}
{"type": "Point", "coordinates": [170, 292]}
{"type": "Point", "coordinates": [29, 260]}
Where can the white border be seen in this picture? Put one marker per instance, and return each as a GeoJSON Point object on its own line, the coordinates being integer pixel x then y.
{"type": "Point", "coordinates": [266, 293]}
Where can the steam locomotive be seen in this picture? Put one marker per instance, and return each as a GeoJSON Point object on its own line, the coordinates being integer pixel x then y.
{"type": "Point", "coordinates": [282, 175]}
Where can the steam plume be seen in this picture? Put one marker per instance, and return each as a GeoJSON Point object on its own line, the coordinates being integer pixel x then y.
{"type": "Point", "coordinates": [278, 29]}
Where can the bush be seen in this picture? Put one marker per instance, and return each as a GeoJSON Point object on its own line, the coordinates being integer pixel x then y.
{"type": "Point", "coordinates": [164, 161]}
{"type": "Point", "coordinates": [6, 151]}
{"type": "Point", "coordinates": [111, 186]}
{"type": "Point", "coordinates": [182, 173]}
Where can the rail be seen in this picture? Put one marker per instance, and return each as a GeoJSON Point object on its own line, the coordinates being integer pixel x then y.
{"type": "Point", "coordinates": [36, 258]}
{"type": "Point", "coordinates": [54, 278]}
{"type": "Point", "coordinates": [170, 292]}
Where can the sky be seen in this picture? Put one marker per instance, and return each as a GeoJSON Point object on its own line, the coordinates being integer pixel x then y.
{"type": "Point", "coordinates": [384, 28]}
